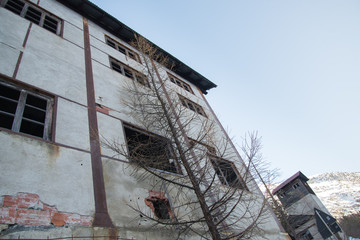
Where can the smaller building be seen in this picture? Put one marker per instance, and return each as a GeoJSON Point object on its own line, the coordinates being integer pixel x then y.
{"type": "Point", "coordinates": [308, 217]}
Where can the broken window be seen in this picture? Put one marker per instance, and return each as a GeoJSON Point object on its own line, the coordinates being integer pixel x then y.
{"type": "Point", "coordinates": [227, 173]}
{"type": "Point", "coordinates": [25, 111]}
{"type": "Point", "coordinates": [149, 150]}
{"type": "Point", "coordinates": [161, 209]}
{"type": "Point", "coordinates": [34, 14]}
{"type": "Point", "coordinates": [128, 72]}
{"type": "Point", "coordinates": [159, 205]}
{"type": "Point", "coordinates": [121, 48]}
{"type": "Point", "coordinates": [192, 106]}
{"type": "Point", "coordinates": [180, 83]}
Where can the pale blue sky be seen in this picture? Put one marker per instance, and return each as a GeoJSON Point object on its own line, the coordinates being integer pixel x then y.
{"type": "Point", "coordinates": [289, 69]}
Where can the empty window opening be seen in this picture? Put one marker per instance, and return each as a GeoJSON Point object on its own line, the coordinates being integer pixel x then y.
{"type": "Point", "coordinates": [161, 209]}
{"type": "Point", "coordinates": [34, 14]}
{"type": "Point", "coordinates": [192, 106]}
{"type": "Point", "coordinates": [180, 83]}
{"type": "Point", "coordinates": [24, 111]}
{"type": "Point", "coordinates": [150, 150]}
{"type": "Point", "coordinates": [227, 173]}
{"type": "Point", "coordinates": [121, 48]}
{"type": "Point", "coordinates": [296, 185]}
{"type": "Point", "coordinates": [128, 72]}
{"type": "Point", "coordinates": [16, 6]}
{"type": "Point", "coordinates": [159, 204]}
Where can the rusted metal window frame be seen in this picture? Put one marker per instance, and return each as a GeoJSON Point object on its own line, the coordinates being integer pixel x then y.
{"type": "Point", "coordinates": [180, 83]}
{"type": "Point", "coordinates": [136, 75]}
{"type": "Point", "coordinates": [192, 105]}
{"type": "Point", "coordinates": [43, 12]}
{"type": "Point", "coordinates": [116, 45]}
{"type": "Point", "coordinates": [21, 103]}
{"type": "Point", "coordinates": [150, 134]}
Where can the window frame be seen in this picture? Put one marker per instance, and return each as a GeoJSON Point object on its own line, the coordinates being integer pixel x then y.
{"type": "Point", "coordinates": [180, 83]}
{"type": "Point", "coordinates": [170, 151]}
{"type": "Point", "coordinates": [117, 46]}
{"type": "Point", "coordinates": [129, 72]}
{"type": "Point", "coordinates": [18, 116]}
{"type": "Point", "coordinates": [43, 15]}
{"type": "Point", "coordinates": [192, 106]}
{"type": "Point", "coordinates": [239, 182]}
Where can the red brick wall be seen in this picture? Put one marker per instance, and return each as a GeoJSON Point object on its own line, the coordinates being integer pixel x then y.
{"type": "Point", "coordinates": [28, 209]}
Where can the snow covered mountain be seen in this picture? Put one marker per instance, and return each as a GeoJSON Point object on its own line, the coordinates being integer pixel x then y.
{"type": "Point", "coordinates": [339, 192]}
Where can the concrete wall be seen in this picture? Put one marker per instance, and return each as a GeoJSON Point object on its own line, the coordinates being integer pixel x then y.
{"type": "Point", "coordinates": [56, 176]}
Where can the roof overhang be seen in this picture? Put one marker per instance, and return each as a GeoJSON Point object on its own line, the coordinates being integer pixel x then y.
{"type": "Point", "coordinates": [114, 26]}
{"type": "Point", "coordinates": [297, 175]}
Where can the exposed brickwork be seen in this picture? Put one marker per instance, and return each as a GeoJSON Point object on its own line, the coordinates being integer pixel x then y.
{"type": "Point", "coordinates": [9, 201]}
{"type": "Point", "coordinates": [32, 217]}
{"type": "Point", "coordinates": [28, 209]}
{"type": "Point", "coordinates": [7, 215]}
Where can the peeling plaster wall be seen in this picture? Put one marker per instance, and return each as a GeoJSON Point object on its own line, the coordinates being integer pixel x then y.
{"type": "Point", "coordinates": [60, 176]}
{"type": "Point", "coordinates": [59, 173]}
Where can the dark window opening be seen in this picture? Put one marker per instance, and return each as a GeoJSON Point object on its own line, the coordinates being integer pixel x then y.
{"type": "Point", "coordinates": [23, 111]}
{"type": "Point", "coordinates": [50, 24]}
{"type": "Point", "coordinates": [128, 72]}
{"type": "Point", "coordinates": [15, 6]}
{"type": "Point", "coordinates": [149, 150]}
{"type": "Point", "coordinates": [116, 67]}
{"type": "Point", "coordinates": [110, 43]}
{"type": "Point", "coordinates": [121, 48]}
{"type": "Point", "coordinates": [180, 83]}
{"type": "Point", "coordinates": [161, 209]}
{"type": "Point", "coordinates": [34, 14]}
{"type": "Point", "coordinates": [226, 172]}
{"type": "Point", "coordinates": [192, 106]}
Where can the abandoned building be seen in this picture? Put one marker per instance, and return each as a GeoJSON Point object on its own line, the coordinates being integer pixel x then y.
{"type": "Point", "coordinates": [308, 217]}
{"type": "Point", "coordinates": [64, 70]}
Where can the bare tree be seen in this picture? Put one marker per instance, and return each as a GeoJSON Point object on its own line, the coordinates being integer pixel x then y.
{"type": "Point", "coordinates": [178, 150]}
{"type": "Point", "coordinates": [265, 176]}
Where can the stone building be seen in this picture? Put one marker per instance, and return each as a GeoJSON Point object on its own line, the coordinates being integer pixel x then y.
{"type": "Point", "coordinates": [307, 215]}
{"type": "Point", "coordinates": [64, 68]}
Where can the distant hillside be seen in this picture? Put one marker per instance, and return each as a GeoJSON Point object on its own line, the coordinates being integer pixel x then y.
{"type": "Point", "coordinates": [339, 192]}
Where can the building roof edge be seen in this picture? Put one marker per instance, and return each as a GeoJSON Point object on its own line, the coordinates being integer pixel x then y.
{"type": "Point", "coordinates": [289, 180]}
{"type": "Point", "coordinates": [113, 25]}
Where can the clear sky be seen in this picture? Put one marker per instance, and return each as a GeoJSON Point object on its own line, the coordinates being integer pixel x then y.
{"type": "Point", "coordinates": [288, 69]}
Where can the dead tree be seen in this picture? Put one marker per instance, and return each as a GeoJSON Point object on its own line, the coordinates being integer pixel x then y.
{"type": "Point", "coordinates": [179, 151]}
{"type": "Point", "coordinates": [265, 176]}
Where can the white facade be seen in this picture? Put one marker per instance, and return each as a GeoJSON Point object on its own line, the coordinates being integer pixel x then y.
{"type": "Point", "coordinates": [47, 185]}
